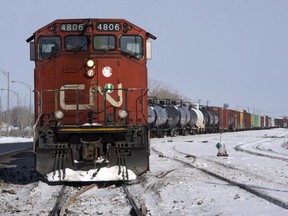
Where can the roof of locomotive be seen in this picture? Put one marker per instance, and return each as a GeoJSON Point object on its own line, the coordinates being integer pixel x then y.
{"type": "Point", "coordinates": [93, 20]}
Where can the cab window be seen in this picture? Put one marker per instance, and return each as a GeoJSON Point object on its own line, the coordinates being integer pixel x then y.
{"type": "Point", "coordinates": [48, 46]}
{"type": "Point", "coordinates": [76, 42]}
{"type": "Point", "coordinates": [132, 45]}
{"type": "Point", "coordinates": [104, 42]}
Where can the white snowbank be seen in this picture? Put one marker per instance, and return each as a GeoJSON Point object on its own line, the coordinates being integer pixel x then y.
{"type": "Point", "coordinates": [14, 139]}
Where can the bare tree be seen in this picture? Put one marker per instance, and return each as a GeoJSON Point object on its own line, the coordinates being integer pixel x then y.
{"type": "Point", "coordinates": [162, 90]}
{"type": "Point", "coordinates": [17, 122]}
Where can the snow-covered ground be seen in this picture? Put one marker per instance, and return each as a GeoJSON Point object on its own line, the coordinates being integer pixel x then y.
{"type": "Point", "coordinates": [4, 139]}
{"type": "Point", "coordinates": [257, 162]}
{"type": "Point", "coordinates": [261, 173]}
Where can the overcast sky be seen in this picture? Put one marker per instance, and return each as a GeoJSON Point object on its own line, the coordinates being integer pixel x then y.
{"type": "Point", "coordinates": [221, 51]}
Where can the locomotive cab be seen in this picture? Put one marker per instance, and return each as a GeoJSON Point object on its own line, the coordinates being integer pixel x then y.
{"type": "Point", "coordinates": [91, 111]}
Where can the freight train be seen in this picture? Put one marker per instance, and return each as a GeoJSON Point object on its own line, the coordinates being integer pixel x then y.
{"type": "Point", "coordinates": [172, 117]}
{"type": "Point", "coordinates": [90, 96]}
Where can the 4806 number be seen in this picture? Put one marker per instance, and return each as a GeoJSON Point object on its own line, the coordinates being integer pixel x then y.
{"type": "Point", "coordinates": [108, 26]}
{"type": "Point", "coordinates": [71, 27]}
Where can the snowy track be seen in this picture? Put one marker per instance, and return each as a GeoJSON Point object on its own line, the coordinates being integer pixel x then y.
{"type": "Point", "coordinates": [264, 147]}
{"type": "Point", "coordinates": [220, 171]}
{"type": "Point", "coordinates": [66, 201]}
{"type": "Point", "coordinates": [265, 177]}
{"type": "Point", "coordinates": [236, 185]}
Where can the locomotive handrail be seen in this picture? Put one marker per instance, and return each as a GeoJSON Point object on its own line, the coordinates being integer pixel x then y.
{"type": "Point", "coordinates": [126, 102]}
{"type": "Point", "coordinates": [142, 102]}
{"type": "Point", "coordinates": [40, 96]}
{"type": "Point", "coordinates": [105, 91]}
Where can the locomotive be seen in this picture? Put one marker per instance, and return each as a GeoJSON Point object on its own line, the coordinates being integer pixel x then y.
{"type": "Point", "coordinates": [91, 109]}
{"type": "Point", "coordinates": [172, 117]}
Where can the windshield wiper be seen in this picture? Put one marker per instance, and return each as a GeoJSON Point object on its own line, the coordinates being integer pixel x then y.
{"type": "Point", "coordinates": [76, 49]}
{"type": "Point", "coordinates": [131, 55]}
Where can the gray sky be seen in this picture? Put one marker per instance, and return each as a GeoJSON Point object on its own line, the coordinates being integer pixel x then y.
{"type": "Point", "coordinates": [221, 51]}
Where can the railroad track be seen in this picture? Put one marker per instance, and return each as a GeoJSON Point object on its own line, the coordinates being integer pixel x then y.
{"type": "Point", "coordinates": [138, 211]}
{"type": "Point", "coordinates": [221, 174]}
{"type": "Point", "coordinates": [260, 151]}
{"type": "Point", "coordinates": [61, 206]}
{"type": "Point", "coordinates": [66, 196]}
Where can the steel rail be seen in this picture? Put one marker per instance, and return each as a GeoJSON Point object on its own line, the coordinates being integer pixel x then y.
{"type": "Point", "coordinates": [132, 201]}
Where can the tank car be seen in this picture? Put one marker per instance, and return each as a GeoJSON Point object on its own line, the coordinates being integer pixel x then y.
{"type": "Point", "coordinates": [91, 106]}
{"type": "Point", "coordinates": [157, 117]}
{"type": "Point", "coordinates": [184, 124]}
{"type": "Point", "coordinates": [173, 118]}
{"type": "Point", "coordinates": [197, 119]}
{"type": "Point", "coordinates": [211, 120]}
{"type": "Point", "coordinates": [168, 118]}
{"type": "Point", "coordinates": [192, 124]}
{"type": "Point", "coordinates": [178, 118]}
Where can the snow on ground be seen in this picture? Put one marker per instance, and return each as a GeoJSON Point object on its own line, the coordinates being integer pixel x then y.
{"type": "Point", "coordinates": [14, 139]}
{"type": "Point", "coordinates": [219, 198]}
{"type": "Point", "coordinates": [172, 188]}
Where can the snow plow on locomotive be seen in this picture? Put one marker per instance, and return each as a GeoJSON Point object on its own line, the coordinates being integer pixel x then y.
{"type": "Point", "coordinates": [91, 106]}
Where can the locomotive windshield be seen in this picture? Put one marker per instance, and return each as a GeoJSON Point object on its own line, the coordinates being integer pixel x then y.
{"type": "Point", "coordinates": [132, 45]}
{"type": "Point", "coordinates": [76, 42]}
{"type": "Point", "coordinates": [48, 47]}
{"type": "Point", "coordinates": [104, 42]}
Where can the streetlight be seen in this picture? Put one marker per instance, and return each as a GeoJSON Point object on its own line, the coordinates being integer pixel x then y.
{"type": "Point", "coordinates": [30, 92]}
{"type": "Point", "coordinates": [7, 75]}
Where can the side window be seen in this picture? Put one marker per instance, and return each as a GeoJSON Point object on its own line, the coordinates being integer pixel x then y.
{"type": "Point", "coordinates": [48, 46]}
{"type": "Point", "coordinates": [132, 45]}
{"type": "Point", "coordinates": [76, 42]}
{"type": "Point", "coordinates": [104, 42]}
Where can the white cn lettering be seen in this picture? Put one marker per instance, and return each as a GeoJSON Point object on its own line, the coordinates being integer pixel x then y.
{"type": "Point", "coordinates": [74, 106]}
{"type": "Point", "coordinates": [110, 99]}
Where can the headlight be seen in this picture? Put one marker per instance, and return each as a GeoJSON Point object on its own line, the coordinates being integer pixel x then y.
{"type": "Point", "coordinates": [122, 114]}
{"type": "Point", "coordinates": [90, 73]}
{"type": "Point", "coordinates": [59, 114]}
{"type": "Point", "coordinates": [90, 63]}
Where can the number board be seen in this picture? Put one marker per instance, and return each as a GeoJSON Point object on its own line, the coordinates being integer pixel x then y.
{"type": "Point", "coordinates": [108, 26]}
{"type": "Point", "coordinates": [71, 27]}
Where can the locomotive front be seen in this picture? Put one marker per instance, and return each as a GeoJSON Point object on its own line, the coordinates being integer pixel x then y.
{"type": "Point", "coordinates": [91, 100]}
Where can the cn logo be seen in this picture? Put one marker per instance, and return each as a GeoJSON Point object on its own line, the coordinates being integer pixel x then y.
{"type": "Point", "coordinates": [74, 106]}
{"type": "Point", "coordinates": [109, 88]}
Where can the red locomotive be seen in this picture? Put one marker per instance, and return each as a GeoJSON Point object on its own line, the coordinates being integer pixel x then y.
{"type": "Point", "coordinates": [91, 99]}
